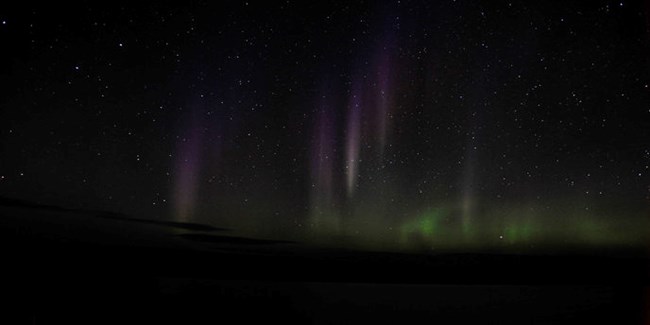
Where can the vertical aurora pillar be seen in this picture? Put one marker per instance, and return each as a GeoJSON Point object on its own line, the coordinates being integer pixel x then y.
{"type": "Point", "coordinates": [353, 141]}
{"type": "Point", "coordinates": [322, 167]}
{"type": "Point", "coordinates": [384, 97]}
{"type": "Point", "coordinates": [186, 174]}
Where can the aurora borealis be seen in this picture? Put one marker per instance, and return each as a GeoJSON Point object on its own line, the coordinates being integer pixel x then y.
{"type": "Point", "coordinates": [391, 125]}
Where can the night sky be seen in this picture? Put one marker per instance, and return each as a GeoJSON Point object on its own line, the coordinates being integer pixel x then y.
{"type": "Point", "coordinates": [425, 124]}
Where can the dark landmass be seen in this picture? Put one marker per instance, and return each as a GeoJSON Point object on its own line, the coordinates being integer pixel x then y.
{"type": "Point", "coordinates": [74, 278]}
{"type": "Point", "coordinates": [171, 224]}
{"type": "Point", "coordinates": [231, 240]}
{"type": "Point", "coordinates": [9, 202]}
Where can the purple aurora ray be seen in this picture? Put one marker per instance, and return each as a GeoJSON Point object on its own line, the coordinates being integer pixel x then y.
{"type": "Point", "coordinates": [187, 172]}
{"type": "Point", "coordinates": [384, 93]}
{"type": "Point", "coordinates": [322, 162]}
{"type": "Point", "coordinates": [353, 139]}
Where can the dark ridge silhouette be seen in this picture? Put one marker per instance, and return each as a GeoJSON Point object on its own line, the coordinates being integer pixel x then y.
{"type": "Point", "coordinates": [9, 202]}
{"type": "Point", "coordinates": [231, 240]}
{"type": "Point", "coordinates": [172, 224]}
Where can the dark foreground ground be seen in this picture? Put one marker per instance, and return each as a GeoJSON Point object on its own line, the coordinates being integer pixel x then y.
{"type": "Point", "coordinates": [61, 266]}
